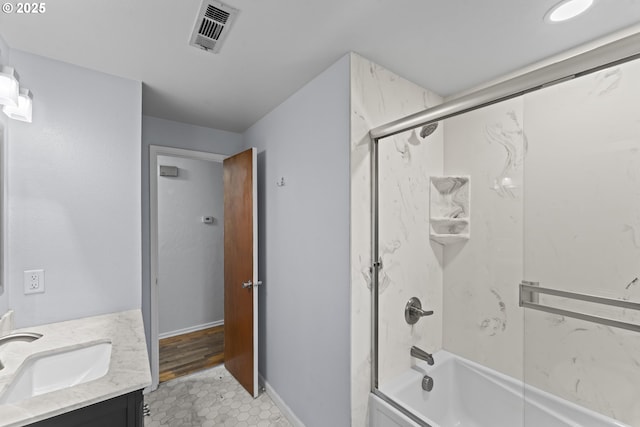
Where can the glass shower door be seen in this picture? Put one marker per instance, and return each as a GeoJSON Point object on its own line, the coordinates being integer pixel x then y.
{"type": "Point", "coordinates": [450, 233]}
{"type": "Point", "coordinates": [582, 236]}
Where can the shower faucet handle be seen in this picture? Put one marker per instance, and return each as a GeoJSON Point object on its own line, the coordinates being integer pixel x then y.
{"type": "Point", "coordinates": [413, 311]}
{"type": "Point", "coordinates": [420, 312]}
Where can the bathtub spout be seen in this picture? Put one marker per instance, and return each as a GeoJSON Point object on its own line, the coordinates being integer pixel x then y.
{"type": "Point", "coordinates": [422, 355]}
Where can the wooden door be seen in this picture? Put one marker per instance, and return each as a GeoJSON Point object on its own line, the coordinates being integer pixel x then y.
{"type": "Point", "coordinates": [241, 269]}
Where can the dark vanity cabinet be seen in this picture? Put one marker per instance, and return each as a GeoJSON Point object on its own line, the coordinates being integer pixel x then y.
{"type": "Point", "coordinates": [121, 411]}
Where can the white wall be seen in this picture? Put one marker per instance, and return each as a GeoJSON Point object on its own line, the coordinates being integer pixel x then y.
{"type": "Point", "coordinates": [411, 263]}
{"type": "Point", "coordinates": [168, 133]}
{"type": "Point", "coordinates": [190, 252]}
{"type": "Point", "coordinates": [73, 192]}
{"type": "Point", "coordinates": [304, 248]}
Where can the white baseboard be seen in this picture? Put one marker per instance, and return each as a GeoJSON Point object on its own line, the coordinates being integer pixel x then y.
{"type": "Point", "coordinates": [190, 329]}
{"type": "Point", "coordinates": [286, 411]}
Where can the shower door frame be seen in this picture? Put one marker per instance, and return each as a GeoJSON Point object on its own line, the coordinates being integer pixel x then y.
{"type": "Point", "coordinates": [626, 48]}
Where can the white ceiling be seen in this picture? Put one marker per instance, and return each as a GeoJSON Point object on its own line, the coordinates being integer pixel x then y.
{"type": "Point", "coordinates": [276, 46]}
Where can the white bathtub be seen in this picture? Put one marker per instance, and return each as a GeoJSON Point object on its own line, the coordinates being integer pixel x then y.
{"type": "Point", "coordinates": [466, 394]}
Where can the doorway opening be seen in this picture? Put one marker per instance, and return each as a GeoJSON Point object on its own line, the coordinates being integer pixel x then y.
{"type": "Point", "coordinates": [189, 259]}
{"type": "Point", "coordinates": [203, 264]}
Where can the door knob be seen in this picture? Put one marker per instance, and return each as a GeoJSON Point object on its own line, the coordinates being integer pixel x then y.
{"type": "Point", "coordinates": [249, 284]}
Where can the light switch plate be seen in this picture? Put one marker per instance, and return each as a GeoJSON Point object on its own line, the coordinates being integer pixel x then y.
{"type": "Point", "coordinates": [33, 281]}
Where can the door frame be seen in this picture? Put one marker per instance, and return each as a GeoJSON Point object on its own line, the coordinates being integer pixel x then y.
{"type": "Point", "coordinates": [154, 152]}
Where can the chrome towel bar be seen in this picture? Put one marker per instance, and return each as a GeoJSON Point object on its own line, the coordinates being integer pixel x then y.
{"type": "Point", "coordinates": [529, 292]}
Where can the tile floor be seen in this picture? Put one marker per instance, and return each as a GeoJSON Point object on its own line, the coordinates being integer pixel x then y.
{"type": "Point", "coordinates": [210, 398]}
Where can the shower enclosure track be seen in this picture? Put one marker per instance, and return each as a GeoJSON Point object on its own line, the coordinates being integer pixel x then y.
{"type": "Point", "coordinates": [529, 299]}
{"type": "Point", "coordinates": [623, 50]}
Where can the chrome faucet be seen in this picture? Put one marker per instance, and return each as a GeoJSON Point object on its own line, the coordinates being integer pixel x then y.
{"type": "Point", "coordinates": [20, 336]}
{"type": "Point", "coordinates": [422, 355]}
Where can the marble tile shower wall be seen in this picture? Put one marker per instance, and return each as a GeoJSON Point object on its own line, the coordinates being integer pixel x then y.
{"type": "Point", "coordinates": [555, 196]}
{"type": "Point", "coordinates": [412, 265]}
{"type": "Point", "coordinates": [582, 234]}
{"type": "Point", "coordinates": [482, 319]}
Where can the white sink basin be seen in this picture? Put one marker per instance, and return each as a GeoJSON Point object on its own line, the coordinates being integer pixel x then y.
{"type": "Point", "coordinates": [41, 374]}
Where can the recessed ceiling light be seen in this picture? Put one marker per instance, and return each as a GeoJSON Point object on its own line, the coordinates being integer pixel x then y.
{"type": "Point", "coordinates": [567, 9]}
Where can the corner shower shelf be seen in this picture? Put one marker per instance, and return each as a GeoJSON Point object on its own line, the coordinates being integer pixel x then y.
{"type": "Point", "coordinates": [449, 230]}
{"type": "Point", "coordinates": [449, 209]}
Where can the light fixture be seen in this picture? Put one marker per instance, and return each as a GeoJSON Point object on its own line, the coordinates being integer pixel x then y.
{"type": "Point", "coordinates": [8, 86]}
{"type": "Point", "coordinates": [567, 9]}
{"type": "Point", "coordinates": [24, 110]}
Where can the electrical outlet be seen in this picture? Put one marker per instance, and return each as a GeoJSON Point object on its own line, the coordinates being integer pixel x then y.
{"type": "Point", "coordinates": [33, 281]}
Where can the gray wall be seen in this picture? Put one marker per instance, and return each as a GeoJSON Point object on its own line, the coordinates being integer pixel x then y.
{"type": "Point", "coordinates": [4, 294]}
{"type": "Point", "coordinates": [180, 135]}
{"type": "Point", "coordinates": [304, 248]}
{"type": "Point", "coordinates": [73, 192]}
{"type": "Point", "coordinates": [190, 252]}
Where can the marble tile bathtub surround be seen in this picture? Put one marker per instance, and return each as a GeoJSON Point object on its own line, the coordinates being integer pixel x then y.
{"type": "Point", "coordinates": [489, 145]}
{"type": "Point", "coordinates": [128, 368]}
{"type": "Point", "coordinates": [556, 199]}
{"type": "Point", "coordinates": [411, 264]}
{"type": "Point", "coordinates": [581, 233]}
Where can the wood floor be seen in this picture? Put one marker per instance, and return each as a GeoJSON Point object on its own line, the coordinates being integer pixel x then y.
{"type": "Point", "coordinates": [188, 353]}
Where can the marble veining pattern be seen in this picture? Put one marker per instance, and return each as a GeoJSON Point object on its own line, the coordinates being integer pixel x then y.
{"type": "Point", "coordinates": [496, 324]}
{"type": "Point", "coordinates": [207, 399]}
{"type": "Point", "coordinates": [606, 81]}
{"type": "Point", "coordinates": [508, 133]}
{"type": "Point", "coordinates": [378, 97]}
{"type": "Point", "coordinates": [128, 368]}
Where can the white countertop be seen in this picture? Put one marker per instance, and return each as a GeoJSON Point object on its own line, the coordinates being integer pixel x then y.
{"type": "Point", "coordinates": [128, 369]}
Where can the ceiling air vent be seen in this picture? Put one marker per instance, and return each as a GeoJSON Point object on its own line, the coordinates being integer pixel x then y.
{"type": "Point", "coordinates": [212, 25]}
